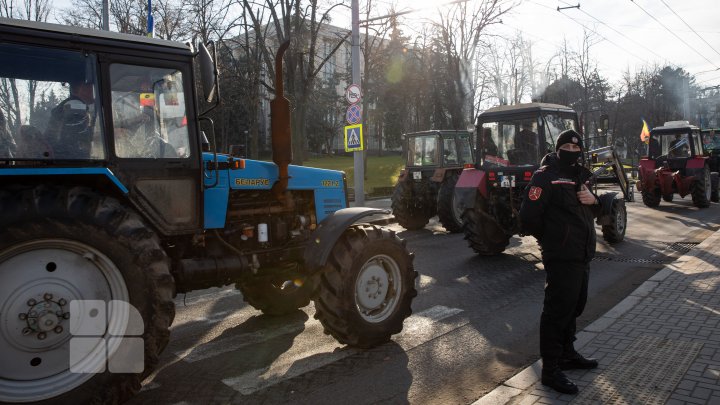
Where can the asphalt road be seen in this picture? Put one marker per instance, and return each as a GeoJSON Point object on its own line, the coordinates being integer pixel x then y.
{"type": "Point", "coordinates": [474, 325]}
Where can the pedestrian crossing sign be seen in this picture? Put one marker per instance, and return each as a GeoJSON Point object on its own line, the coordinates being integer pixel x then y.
{"type": "Point", "coordinates": [353, 138]}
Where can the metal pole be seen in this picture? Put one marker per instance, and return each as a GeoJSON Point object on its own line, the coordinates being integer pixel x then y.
{"type": "Point", "coordinates": [105, 15]}
{"type": "Point", "coordinates": [355, 60]}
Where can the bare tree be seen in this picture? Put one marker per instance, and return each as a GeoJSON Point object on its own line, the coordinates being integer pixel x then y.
{"type": "Point", "coordinates": [459, 33]}
{"type": "Point", "coordinates": [301, 22]}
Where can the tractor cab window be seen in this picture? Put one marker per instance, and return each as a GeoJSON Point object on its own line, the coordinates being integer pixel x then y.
{"type": "Point", "coordinates": [50, 110]}
{"type": "Point", "coordinates": [697, 145]}
{"type": "Point", "coordinates": [148, 110]}
{"type": "Point", "coordinates": [457, 151]}
{"type": "Point", "coordinates": [423, 151]}
{"type": "Point", "coordinates": [511, 143]}
{"type": "Point", "coordinates": [672, 145]}
{"type": "Point", "coordinates": [554, 125]}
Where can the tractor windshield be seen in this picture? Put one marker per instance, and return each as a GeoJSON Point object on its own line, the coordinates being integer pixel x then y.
{"type": "Point", "coordinates": [50, 110]}
{"type": "Point", "coordinates": [423, 151]}
{"type": "Point", "coordinates": [555, 124]}
{"type": "Point", "coordinates": [671, 145]}
{"type": "Point", "coordinates": [457, 150]}
{"type": "Point", "coordinates": [511, 143]}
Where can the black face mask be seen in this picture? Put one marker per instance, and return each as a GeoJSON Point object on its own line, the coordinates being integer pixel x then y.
{"type": "Point", "coordinates": [568, 158]}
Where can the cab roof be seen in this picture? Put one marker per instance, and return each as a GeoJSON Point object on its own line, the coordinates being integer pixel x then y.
{"type": "Point", "coordinates": [505, 110]}
{"type": "Point", "coordinates": [674, 126]}
{"type": "Point", "coordinates": [88, 35]}
{"type": "Point", "coordinates": [441, 132]}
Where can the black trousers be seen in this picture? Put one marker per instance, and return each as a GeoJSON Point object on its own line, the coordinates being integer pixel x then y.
{"type": "Point", "coordinates": [566, 290]}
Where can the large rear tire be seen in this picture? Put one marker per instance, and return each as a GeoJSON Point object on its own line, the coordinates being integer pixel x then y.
{"type": "Point", "coordinates": [276, 295]}
{"type": "Point", "coordinates": [404, 209]}
{"type": "Point", "coordinates": [365, 290]}
{"type": "Point", "coordinates": [651, 198]}
{"type": "Point", "coordinates": [615, 231]}
{"type": "Point", "coordinates": [70, 254]}
{"type": "Point", "coordinates": [449, 213]}
{"type": "Point", "coordinates": [701, 190]}
{"type": "Point", "coordinates": [483, 235]}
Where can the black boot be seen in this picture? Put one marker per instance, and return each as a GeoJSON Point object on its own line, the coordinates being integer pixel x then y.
{"type": "Point", "coordinates": [557, 380]}
{"type": "Point", "coordinates": [574, 360]}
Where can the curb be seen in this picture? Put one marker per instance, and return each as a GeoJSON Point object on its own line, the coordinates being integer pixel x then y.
{"type": "Point", "coordinates": [526, 378]}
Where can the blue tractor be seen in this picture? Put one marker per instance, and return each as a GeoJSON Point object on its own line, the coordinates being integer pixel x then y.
{"type": "Point", "coordinates": [111, 204]}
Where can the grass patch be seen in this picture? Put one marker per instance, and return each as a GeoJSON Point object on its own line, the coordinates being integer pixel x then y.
{"type": "Point", "coordinates": [381, 171]}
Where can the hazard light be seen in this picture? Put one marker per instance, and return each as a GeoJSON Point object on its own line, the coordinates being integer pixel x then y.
{"type": "Point", "coordinates": [468, 166]}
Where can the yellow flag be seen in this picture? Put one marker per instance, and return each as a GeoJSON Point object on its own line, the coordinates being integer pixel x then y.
{"type": "Point", "coordinates": [645, 134]}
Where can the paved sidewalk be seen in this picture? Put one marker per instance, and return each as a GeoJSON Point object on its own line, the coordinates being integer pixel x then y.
{"type": "Point", "coordinates": [661, 345]}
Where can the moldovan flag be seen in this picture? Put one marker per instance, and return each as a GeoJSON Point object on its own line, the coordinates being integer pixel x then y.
{"type": "Point", "coordinates": [645, 134]}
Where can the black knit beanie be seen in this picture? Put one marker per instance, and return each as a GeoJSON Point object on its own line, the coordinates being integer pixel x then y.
{"type": "Point", "coordinates": [569, 136]}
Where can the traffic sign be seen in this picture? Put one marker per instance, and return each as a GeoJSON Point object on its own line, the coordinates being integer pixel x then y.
{"type": "Point", "coordinates": [353, 94]}
{"type": "Point", "coordinates": [353, 114]}
{"type": "Point", "coordinates": [353, 138]}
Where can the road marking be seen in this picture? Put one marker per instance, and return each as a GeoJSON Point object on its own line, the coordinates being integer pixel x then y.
{"type": "Point", "coordinates": [216, 294]}
{"type": "Point", "coordinates": [215, 348]}
{"type": "Point", "coordinates": [418, 329]}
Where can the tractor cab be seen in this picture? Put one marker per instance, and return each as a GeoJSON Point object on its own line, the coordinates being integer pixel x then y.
{"type": "Point", "coordinates": [674, 143]}
{"type": "Point", "coordinates": [519, 136]}
{"type": "Point", "coordinates": [433, 164]}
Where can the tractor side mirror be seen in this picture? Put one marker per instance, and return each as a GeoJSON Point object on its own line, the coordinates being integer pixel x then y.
{"type": "Point", "coordinates": [208, 73]}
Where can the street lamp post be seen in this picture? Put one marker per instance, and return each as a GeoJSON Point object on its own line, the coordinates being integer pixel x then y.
{"type": "Point", "coordinates": [355, 61]}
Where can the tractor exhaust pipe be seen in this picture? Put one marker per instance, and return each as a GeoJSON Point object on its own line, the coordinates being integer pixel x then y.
{"type": "Point", "coordinates": [280, 127]}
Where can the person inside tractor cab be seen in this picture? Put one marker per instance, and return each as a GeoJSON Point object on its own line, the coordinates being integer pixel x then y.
{"type": "Point", "coordinates": [679, 147]}
{"type": "Point", "coordinates": [136, 127]}
{"type": "Point", "coordinates": [71, 126]}
{"type": "Point", "coordinates": [526, 145]}
{"type": "Point", "coordinates": [487, 142]}
{"type": "Point", "coordinates": [654, 149]}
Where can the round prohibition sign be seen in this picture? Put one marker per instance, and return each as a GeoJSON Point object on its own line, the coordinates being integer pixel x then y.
{"type": "Point", "coordinates": [353, 94]}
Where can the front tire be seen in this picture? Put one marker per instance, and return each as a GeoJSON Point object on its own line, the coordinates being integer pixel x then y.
{"type": "Point", "coordinates": [61, 247]}
{"type": "Point", "coordinates": [365, 289]}
{"type": "Point", "coordinates": [651, 198]}
{"type": "Point", "coordinates": [701, 190]}
{"type": "Point", "coordinates": [448, 211]}
{"type": "Point", "coordinates": [484, 236]}
{"type": "Point", "coordinates": [404, 209]}
{"type": "Point", "coordinates": [667, 197]}
{"type": "Point", "coordinates": [615, 231]}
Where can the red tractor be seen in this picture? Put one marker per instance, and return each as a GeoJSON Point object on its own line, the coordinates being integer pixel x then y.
{"type": "Point", "coordinates": [511, 141]}
{"type": "Point", "coordinates": [675, 164]}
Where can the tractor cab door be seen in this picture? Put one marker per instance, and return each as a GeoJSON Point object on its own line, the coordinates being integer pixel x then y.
{"type": "Point", "coordinates": [153, 146]}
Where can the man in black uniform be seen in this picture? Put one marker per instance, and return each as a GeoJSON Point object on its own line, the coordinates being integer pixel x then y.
{"type": "Point", "coordinates": [558, 209]}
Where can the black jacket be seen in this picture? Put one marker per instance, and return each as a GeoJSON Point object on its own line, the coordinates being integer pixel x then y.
{"type": "Point", "coordinates": [551, 212]}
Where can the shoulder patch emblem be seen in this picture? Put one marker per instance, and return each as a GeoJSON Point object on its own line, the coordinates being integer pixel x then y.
{"type": "Point", "coordinates": [534, 193]}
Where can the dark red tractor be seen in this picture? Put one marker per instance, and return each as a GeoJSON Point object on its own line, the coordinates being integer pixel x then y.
{"type": "Point", "coordinates": [675, 164]}
{"type": "Point", "coordinates": [511, 141]}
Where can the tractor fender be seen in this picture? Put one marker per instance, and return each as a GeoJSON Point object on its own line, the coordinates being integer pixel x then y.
{"type": "Point", "coordinates": [471, 180]}
{"type": "Point", "coordinates": [647, 175]}
{"type": "Point", "coordinates": [323, 238]}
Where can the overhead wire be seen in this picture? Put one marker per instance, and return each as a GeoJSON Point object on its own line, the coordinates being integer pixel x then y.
{"type": "Point", "coordinates": [674, 34]}
{"type": "Point", "coordinates": [619, 32]}
{"type": "Point", "coordinates": [596, 33]}
{"type": "Point", "coordinates": [691, 28]}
